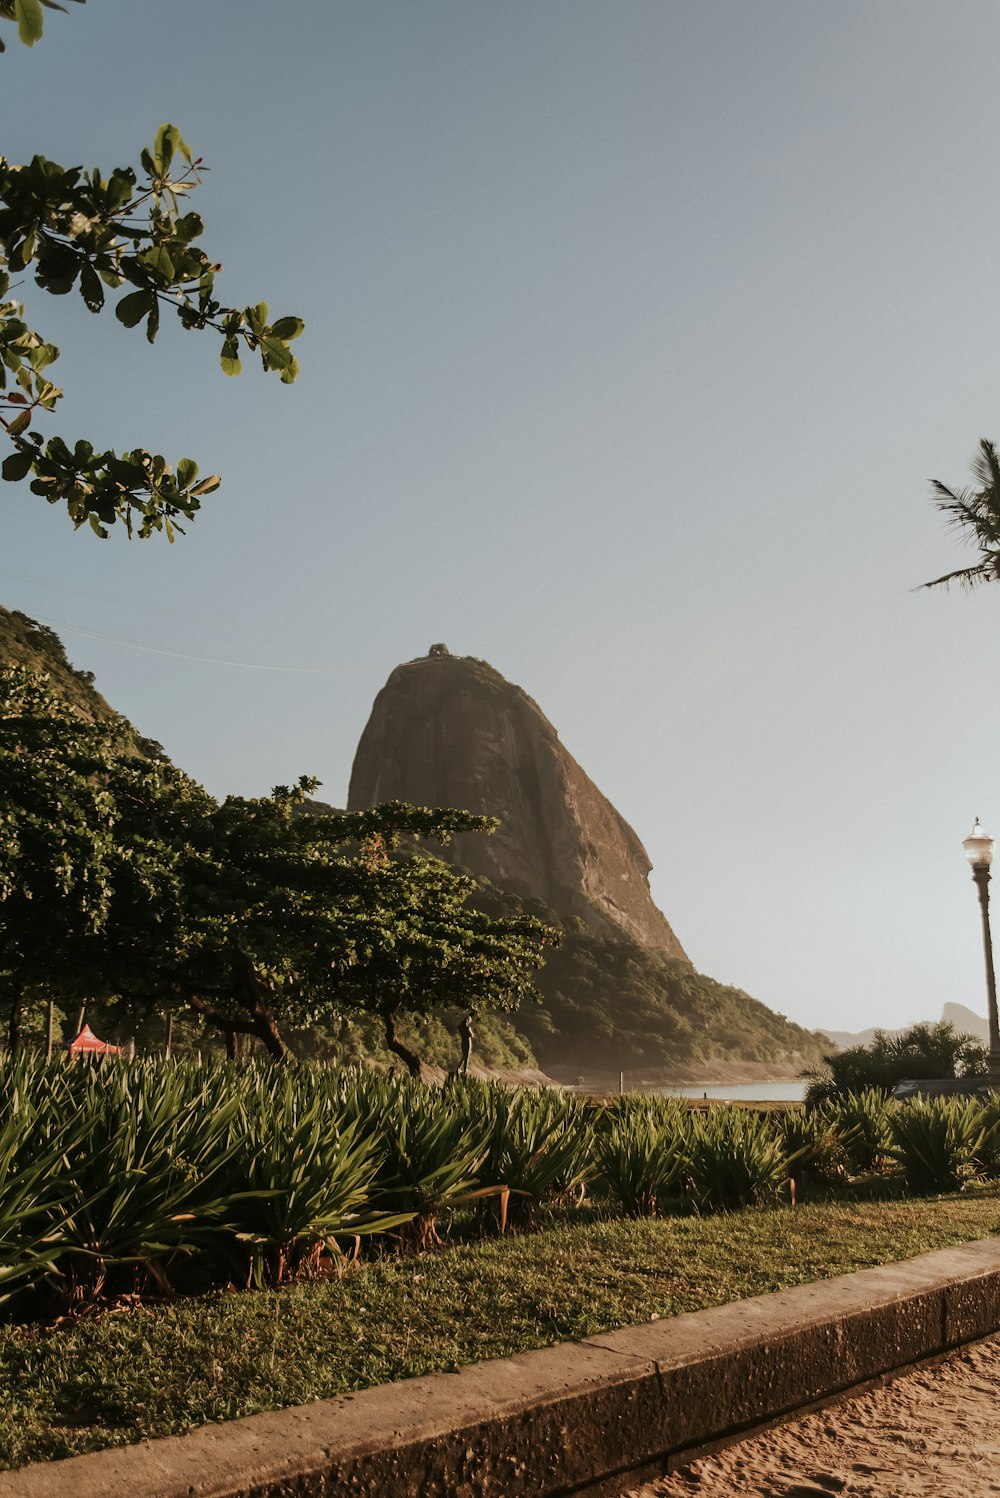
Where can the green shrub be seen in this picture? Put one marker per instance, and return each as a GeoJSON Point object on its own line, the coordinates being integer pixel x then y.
{"type": "Point", "coordinates": [641, 1158]}
{"type": "Point", "coordinates": [935, 1143]}
{"type": "Point", "coordinates": [736, 1159]}
{"type": "Point", "coordinates": [540, 1147]}
{"type": "Point", "coordinates": [922, 1051]}
{"type": "Point", "coordinates": [861, 1122]}
{"type": "Point", "coordinates": [431, 1157]}
{"type": "Point", "coordinates": [814, 1153]}
{"type": "Point", "coordinates": [298, 1177]}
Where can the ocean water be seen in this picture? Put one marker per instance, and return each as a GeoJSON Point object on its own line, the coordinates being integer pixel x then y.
{"type": "Point", "coordinates": [792, 1091]}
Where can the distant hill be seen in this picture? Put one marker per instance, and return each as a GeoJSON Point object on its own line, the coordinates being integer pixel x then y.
{"type": "Point", "coordinates": [966, 1022]}
{"type": "Point", "coordinates": [449, 730]}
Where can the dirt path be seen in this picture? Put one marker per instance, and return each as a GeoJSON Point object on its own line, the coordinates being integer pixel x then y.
{"type": "Point", "coordinates": [930, 1434]}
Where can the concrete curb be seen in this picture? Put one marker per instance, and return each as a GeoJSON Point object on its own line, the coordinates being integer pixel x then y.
{"type": "Point", "coordinates": [594, 1416]}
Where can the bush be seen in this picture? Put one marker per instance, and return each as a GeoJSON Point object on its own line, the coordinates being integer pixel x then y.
{"type": "Point", "coordinates": [641, 1158]}
{"type": "Point", "coordinates": [925, 1051]}
{"type": "Point", "coordinates": [860, 1120]}
{"type": "Point", "coordinates": [936, 1142]}
{"type": "Point", "coordinates": [540, 1147]}
{"type": "Point", "coordinates": [736, 1159]}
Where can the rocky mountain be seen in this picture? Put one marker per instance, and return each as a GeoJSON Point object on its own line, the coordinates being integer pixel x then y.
{"type": "Point", "coordinates": [449, 730]}
{"type": "Point", "coordinates": [619, 993]}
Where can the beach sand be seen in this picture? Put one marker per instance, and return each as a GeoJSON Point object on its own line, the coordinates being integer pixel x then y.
{"type": "Point", "coordinates": [934, 1433]}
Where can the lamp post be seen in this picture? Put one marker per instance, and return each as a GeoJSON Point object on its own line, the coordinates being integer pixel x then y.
{"type": "Point", "coordinates": [979, 851]}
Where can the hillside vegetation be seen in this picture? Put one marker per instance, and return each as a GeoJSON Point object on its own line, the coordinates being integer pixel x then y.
{"type": "Point", "coordinates": [610, 1005]}
{"type": "Point", "coordinates": [25, 642]}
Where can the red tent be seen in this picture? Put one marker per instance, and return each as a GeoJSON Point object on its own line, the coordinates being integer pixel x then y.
{"type": "Point", "coordinates": [87, 1044]}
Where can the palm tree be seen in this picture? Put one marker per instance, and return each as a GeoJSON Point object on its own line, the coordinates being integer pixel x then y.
{"type": "Point", "coordinates": [976, 511]}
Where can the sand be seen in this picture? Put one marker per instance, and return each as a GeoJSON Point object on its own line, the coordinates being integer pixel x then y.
{"type": "Point", "coordinates": [935, 1432]}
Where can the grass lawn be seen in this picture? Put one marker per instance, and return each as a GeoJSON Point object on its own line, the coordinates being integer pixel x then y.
{"type": "Point", "coordinates": [142, 1371]}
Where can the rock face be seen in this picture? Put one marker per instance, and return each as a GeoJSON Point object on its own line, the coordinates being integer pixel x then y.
{"type": "Point", "coordinates": [451, 731]}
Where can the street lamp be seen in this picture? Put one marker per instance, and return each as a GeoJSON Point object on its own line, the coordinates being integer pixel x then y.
{"type": "Point", "coordinates": [979, 851]}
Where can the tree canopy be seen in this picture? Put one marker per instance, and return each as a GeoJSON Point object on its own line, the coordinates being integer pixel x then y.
{"type": "Point", "coordinates": [129, 231]}
{"type": "Point", "coordinates": [119, 874]}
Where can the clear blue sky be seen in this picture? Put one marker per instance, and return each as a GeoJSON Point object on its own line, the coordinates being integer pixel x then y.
{"type": "Point", "coordinates": [634, 334]}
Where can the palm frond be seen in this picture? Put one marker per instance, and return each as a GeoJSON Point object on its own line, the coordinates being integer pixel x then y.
{"type": "Point", "coordinates": [976, 513]}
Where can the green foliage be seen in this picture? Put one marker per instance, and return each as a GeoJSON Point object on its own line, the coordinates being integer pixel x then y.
{"type": "Point", "coordinates": [861, 1121]}
{"type": "Point", "coordinates": [124, 231]}
{"type": "Point", "coordinates": [299, 1175]}
{"type": "Point", "coordinates": [119, 1175]}
{"type": "Point", "coordinates": [29, 17]}
{"type": "Point", "coordinates": [431, 1155]}
{"type": "Point", "coordinates": [143, 1169]}
{"type": "Point", "coordinates": [811, 1140]}
{"type": "Point", "coordinates": [736, 1159]}
{"type": "Point", "coordinates": [936, 1142]}
{"type": "Point", "coordinates": [989, 1150]}
{"type": "Point", "coordinates": [610, 1005]}
{"type": "Point", "coordinates": [118, 874]}
{"type": "Point", "coordinates": [924, 1051]}
{"type": "Point", "coordinates": [539, 1144]}
{"type": "Point", "coordinates": [642, 1158]}
{"type": "Point", "coordinates": [976, 514]}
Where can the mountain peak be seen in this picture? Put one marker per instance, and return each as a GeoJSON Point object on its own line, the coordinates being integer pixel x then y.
{"type": "Point", "coordinates": [450, 730]}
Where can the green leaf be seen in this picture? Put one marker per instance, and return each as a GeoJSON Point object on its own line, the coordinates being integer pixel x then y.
{"type": "Point", "coordinates": [287, 328]}
{"type": "Point", "coordinates": [168, 138]}
{"type": "Point", "coordinates": [134, 307]}
{"type": "Point", "coordinates": [29, 20]}
{"type": "Point", "coordinates": [229, 358]}
{"type": "Point", "coordinates": [158, 260]}
{"type": "Point", "coordinates": [20, 424]}
{"type": "Point", "coordinates": [91, 289]}
{"type": "Point", "coordinates": [207, 486]}
{"type": "Point", "coordinates": [16, 467]}
{"type": "Point", "coordinates": [277, 352]}
{"type": "Point", "coordinates": [187, 472]}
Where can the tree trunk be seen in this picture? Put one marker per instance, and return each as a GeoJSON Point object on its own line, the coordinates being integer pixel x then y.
{"type": "Point", "coordinates": [410, 1059]}
{"type": "Point", "coordinates": [259, 1022]}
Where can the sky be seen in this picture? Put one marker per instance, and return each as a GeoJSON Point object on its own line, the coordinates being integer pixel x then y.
{"type": "Point", "coordinates": [635, 333]}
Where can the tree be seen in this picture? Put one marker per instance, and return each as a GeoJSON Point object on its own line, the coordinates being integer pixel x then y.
{"type": "Point", "coordinates": [120, 875]}
{"type": "Point", "coordinates": [65, 781]}
{"type": "Point", "coordinates": [923, 1051]}
{"type": "Point", "coordinates": [976, 512]}
{"type": "Point", "coordinates": [411, 941]}
{"type": "Point", "coordinates": [300, 915]}
{"type": "Point", "coordinates": [122, 231]}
